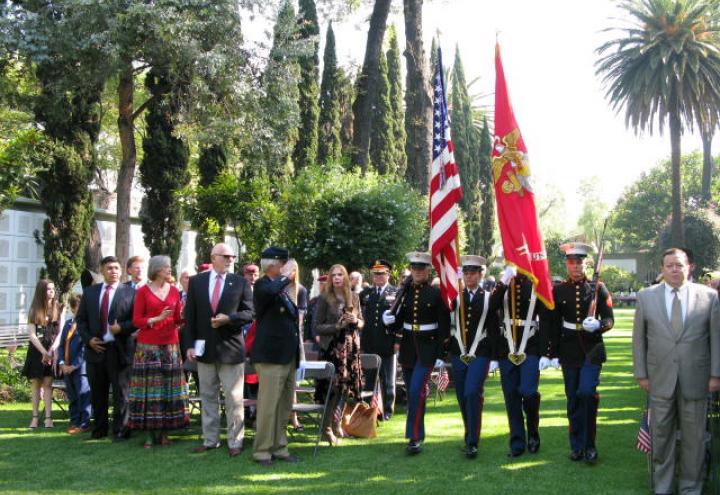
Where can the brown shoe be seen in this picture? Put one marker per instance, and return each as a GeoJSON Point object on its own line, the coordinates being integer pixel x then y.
{"type": "Point", "coordinates": [205, 448]}
{"type": "Point", "coordinates": [74, 430]}
{"type": "Point", "coordinates": [234, 452]}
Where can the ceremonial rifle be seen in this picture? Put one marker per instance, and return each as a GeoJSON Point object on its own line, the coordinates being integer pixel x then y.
{"type": "Point", "coordinates": [597, 272]}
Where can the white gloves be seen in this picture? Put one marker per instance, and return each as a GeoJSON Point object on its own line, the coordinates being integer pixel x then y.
{"type": "Point", "coordinates": [493, 366]}
{"type": "Point", "coordinates": [555, 363]}
{"type": "Point", "coordinates": [591, 324]}
{"type": "Point", "coordinates": [439, 363]}
{"type": "Point", "coordinates": [508, 273]}
{"type": "Point", "coordinates": [388, 318]}
{"type": "Point", "coordinates": [544, 363]}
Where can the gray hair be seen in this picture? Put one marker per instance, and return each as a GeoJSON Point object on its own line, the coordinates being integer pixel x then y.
{"type": "Point", "coordinates": [157, 263]}
{"type": "Point", "coordinates": [266, 263]}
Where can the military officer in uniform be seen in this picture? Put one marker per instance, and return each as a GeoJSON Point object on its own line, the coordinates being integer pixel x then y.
{"type": "Point", "coordinates": [576, 338]}
{"type": "Point", "coordinates": [522, 353]}
{"type": "Point", "coordinates": [471, 347]}
{"type": "Point", "coordinates": [376, 338]}
{"type": "Point", "coordinates": [422, 327]}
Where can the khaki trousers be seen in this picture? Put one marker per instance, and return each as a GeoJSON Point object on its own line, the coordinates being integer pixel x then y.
{"type": "Point", "coordinates": [276, 393]}
{"type": "Point", "coordinates": [231, 377]}
{"type": "Point", "coordinates": [666, 415]}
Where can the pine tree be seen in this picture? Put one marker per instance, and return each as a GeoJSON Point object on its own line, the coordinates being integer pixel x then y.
{"type": "Point", "coordinates": [281, 109]}
{"type": "Point", "coordinates": [329, 144]}
{"type": "Point", "coordinates": [396, 103]}
{"type": "Point", "coordinates": [309, 32]}
{"type": "Point", "coordinates": [466, 140]}
{"type": "Point", "coordinates": [163, 170]}
{"type": "Point", "coordinates": [487, 208]}
{"type": "Point", "coordinates": [382, 150]}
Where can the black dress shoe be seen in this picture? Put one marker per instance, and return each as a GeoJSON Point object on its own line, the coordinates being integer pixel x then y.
{"type": "Point", "coordinates": [471, 451]}
{"type": "Point", "coordinates": [577, 455]}
{"type": "Point", "coordinates": [234, 452]}
{"type": "Point", "coordinates": [292, 459]}
{"type": "Point", "coordinates": [533, 445]}
{"type": "Point", "coordinates": [414, 447]}
{"type": "Point", "coordinates": [205, 448]}
{"type": "Point", "coordinates": [591, 455]}
{"type": "Point", "coordinates": [516, 452]}
{"type": "Point", "coordinates": [98, 434]}
{"type": "Point", "coordinates": [264, 462]}
{"type": "Point", "coordinates": [387, 416]}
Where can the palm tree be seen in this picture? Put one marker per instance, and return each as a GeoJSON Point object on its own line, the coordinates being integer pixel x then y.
{"type": "Point", "coordinates": [665, 65]}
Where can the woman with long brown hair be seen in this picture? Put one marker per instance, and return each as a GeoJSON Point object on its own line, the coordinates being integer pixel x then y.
{"type": "Point", "coordinates": [337, 321]}
{"type": "Point", "coordinates": [43, 325]}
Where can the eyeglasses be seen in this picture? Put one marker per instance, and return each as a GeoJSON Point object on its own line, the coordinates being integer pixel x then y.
{"type": "Point", "coordinates": [379, 273]}
{"type": "Point", "coordinates": [226, 256]}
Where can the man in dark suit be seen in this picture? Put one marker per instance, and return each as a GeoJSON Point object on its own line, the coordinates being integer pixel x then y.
{"type": "Point", "coordinates": [676, 360]}
{"type": "Point", "coordinates": [275, 356]}
{"type": "Point", "coordinates": [376, 338]}
{"type": "Point", "coordinates": [104, 322]}
{"type": "Point", "coordinates": [218, 304]}
{"type": "Point", "coordinates": [135, 268]}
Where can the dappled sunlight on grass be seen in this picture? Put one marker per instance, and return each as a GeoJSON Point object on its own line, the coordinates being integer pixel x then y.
{"type": "Point", "coordinates": [516, 466]}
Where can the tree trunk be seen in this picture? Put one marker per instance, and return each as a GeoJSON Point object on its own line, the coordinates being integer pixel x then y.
{"type": "Point", "coordinates": [367, 83]}
{"type": "Point", "coordinates": [677, 234]}
{"type": "Point", "coordinates": [93, 251]}
{"type": "Point", "coordinates": [707, 132]}
{"type": "Point", "coordinates": [418, 105]}
{"type": "Point", "coordinates": [127, 164]}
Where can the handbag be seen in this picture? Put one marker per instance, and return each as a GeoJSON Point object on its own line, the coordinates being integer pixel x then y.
{"type": "Point", "coordinates": [360, 420]}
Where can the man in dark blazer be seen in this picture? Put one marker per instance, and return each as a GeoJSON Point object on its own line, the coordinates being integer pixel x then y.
{"type": "Point", "coordinates": [676, 359]}
{"type": "Point", "coordinates": [104, 322]}
{"type": "Point", "coordinates": [275, 356]}
{"type": "Point", "coordinates": [218, 304]}
{"type": "Point", "coordinates": [376, 337]}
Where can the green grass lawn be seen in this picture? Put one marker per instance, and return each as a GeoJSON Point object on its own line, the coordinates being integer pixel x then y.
{"type": "Point", "coordinates": [52, 462]}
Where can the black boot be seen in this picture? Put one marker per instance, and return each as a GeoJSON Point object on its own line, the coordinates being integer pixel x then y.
{"type": "Point", "coordinates": [531, 406]}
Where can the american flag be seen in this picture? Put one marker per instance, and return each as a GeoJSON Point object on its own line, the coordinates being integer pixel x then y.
{"type": "Point", "coordinates": [644, 441]}
{"type": "Point", "coordinates": [445, 194]}
{"type": "Point", "coordinates": [443, 379]}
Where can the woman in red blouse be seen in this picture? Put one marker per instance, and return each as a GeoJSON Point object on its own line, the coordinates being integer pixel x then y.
{"type": "Point", "coordinates": [158, 396]}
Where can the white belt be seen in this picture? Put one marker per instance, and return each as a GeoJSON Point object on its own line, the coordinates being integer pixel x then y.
{"type": "Point", "coordinates": [420, 328]}
{"type": "Point", "coordinates": [572, 326]}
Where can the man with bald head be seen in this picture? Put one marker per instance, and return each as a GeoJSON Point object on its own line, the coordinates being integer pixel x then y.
{"type": "Point", "coordinates": [218, 304]}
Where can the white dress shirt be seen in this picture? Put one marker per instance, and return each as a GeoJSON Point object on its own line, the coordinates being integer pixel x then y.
{"type": "Point", "coordinates": [683, 293]}
{"type": "Point", "coordinates": [108, 335]}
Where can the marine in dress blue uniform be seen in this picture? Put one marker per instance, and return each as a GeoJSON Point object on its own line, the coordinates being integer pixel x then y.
{"type": "Point", "coordinates": [520, 378]}
{"type": "Point", "coordinates": [376, 337]}
{"type": "Point", "coordinates": [422, 328]}
{"type": "Point", "coordinates": [576, 338]}
{"type": "Point", "coordinates": [471, 360]}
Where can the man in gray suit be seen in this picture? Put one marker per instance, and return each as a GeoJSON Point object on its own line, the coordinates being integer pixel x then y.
{"type": "Point", "coordinates": [676, 359]}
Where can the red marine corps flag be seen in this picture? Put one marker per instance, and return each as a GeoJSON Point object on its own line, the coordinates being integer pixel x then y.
{"type": "Point", "coordinates": [445, 194]}
{"type": "Point", "coordinates": [522, 240]}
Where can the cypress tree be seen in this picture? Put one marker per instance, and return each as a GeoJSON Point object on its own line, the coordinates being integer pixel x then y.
{"type": "Point", "coordinates": [466, 140]}
{"type": "Point", "coordinates": [382, 150]}
{"type": "Point", "coordinates": [346, 96]}
{"type": "Point", "coordinates": [396, 103]}
{"type": "Point", "coordinates": [329, 144]}
{"type": "Point", "coordinates": [281, 109]}
{"type": "Point", "coordinates": [163, 170]}
{"type": "Point", "coordinates": [487, 191]}
{"type": "Point", "coordinates": [211, 163]}
{"type": "Point", "coordinates": [308, 31]}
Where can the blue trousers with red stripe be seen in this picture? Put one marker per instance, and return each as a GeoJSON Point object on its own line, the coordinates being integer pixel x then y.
{"type": "Point", "coordinates": [416, 379]}
{"type": "Point", "coordinates": [469, 387]}
{"type": "Point", "coordinates": [582, 403]}
{"type": "Point", "coordinates": [520, 389]}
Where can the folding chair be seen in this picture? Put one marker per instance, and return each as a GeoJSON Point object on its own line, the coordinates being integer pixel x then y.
{"type": "Point", "coordinates": [59, 384]}
{"type": "Point", "coordinates": [316, 412]}
{"type": "Point", "coordinates": [370, 364]}
{"type": "Point", "coordinates": [194, 401]}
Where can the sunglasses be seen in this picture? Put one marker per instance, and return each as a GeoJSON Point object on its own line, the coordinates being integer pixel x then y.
{"type": "Point", "coordinates": [379, 273]}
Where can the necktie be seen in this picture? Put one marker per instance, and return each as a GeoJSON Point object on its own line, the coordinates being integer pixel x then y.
{"type": "Point", "coordinates": [216, 292]}
{"type": "Point", "coordinates": [104, 307]}
{"type": "Point", "coordinates": [676, 313]}
{"type": "Point", "coordinates": [378, 291]}
{"type": "Point", "coordinates": [471, 294]}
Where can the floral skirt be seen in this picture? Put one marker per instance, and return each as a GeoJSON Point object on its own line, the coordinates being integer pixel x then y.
{"type": "Point", "coordinates": [344, 353]}
{"type": "Point", "coordinates": [158, 394]}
